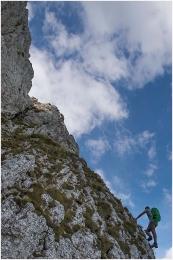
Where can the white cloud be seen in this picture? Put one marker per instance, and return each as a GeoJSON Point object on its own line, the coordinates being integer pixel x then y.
{"type": "Point", "coordinates": [148, 184]}
{"type": "Point", "coordinates": [84, 101]}
{"type": "Point", "coordinates": [118, 182]}
{"type": "Point", "coordinates": [144, 138]}
{"type": "Point", "coordinates": [97, 147]}
{"type": "Point", "coordinates": [126, 198]}
{"type": "Point", "coordinates": [168, 254]}
{"type": "Point", "coordinates": [101, 60]}
{"type": "Point", "coordinates": [151, 168]}
{"type": "Point", "coordinates": [167, 196]}
{"type": "Point", "coordinates": [75, 71]}
{"type": "Point", "coordinates": [152, 151]}
{"type": "Point", "coordinates": [124, 144]}
{"type": "Point", "coordinates": [143, 28]}
{"type": "Point", "coordinates": [58, 38]}
{"type": "Point", "coordinates": [30, 11]}
{"type": "Point", "coordinates": [169, 153]}
{"type": "Point", "coordinates": [151, 183]}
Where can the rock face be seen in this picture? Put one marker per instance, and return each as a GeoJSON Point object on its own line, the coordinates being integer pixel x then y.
{"type": "Point", "coordinates": [16, 69]}
{"type": "Point", "coordinates": [53, 205]}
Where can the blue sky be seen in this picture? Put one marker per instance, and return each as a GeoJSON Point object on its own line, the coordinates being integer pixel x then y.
{"type": "Point", "coordinates": [107, 67]}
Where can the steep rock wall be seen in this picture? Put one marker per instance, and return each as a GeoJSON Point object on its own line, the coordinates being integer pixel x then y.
{"type": "Point", "coordinates": [53, 205]}
{"type": "Point", "coordinates": [16, 69]}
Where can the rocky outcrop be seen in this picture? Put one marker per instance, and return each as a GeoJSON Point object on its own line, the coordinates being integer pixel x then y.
{"type": "Point", "coordinates": [53, 205]}
{"type": "Point", "coordinates": [16, 69]}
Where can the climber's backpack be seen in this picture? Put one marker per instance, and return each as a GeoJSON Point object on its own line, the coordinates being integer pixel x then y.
{"type": "Point", "coordinates": [156, 214]}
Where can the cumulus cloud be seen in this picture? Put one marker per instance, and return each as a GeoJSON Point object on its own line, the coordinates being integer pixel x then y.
{"type": "Point", "coordinates": [68, 85]}
{"type": "Point", "coordinates": [84, 101]}
{"type": "Point", "coordinates": [58, 38]}
{"type": "Point", "coordinates": [134, 24]}
{"type": "Point", "coordinates": [78, 72]}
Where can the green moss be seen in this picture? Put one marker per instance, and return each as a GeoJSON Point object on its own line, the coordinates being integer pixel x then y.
{"type": "Point", "coordinates": [79, 201]}
{"type": "Point", "coordinates": [63, 230]}
{"type": "Point", "coordinates": [36, 255]}
{"type": "Point", "coordinates": [89, 223]}
{"type": "Point", "coordinates": [50, 177]}
{"type": "Point", "coordinates": [130, 227]}
{"type": "Point", "coordinates": [90, 211]}
{"type": "Point", "coordinates": [104, 209]}
{"type": "Point", "coordinates": [18, 121]}
{"type": "Point", "coordinates": [84, 163]}
{"type": "Point", "coordinates": [76, 227]}
{"type": "Point", "coordinates": [104, 245]}
{"type": "Point", "coordinates": [120, 213]}
{"type": "Point", "coordinates": [69, 216]}
{"type": "Point", "coordinates": [124, 247]}
{"type": "Point", "coordinates": [96, 186]}
{"type": "Point", "coordinates": [31, 174]}
{"type": "Point", "coordinates": [137, 243]}
{"type": "Point", "coordinates": [52, 204]}
{"type": "Point", "coordinates": [113, 231]}
{"type": "Point", "coordinates": [67, 186]}
{"type": "Point", "coordinates": [4, 120]}
{"type": "Point", "coordinates": [55, 167]}
{"type": "Point", "coordinates": [59, 196]}
{"type": "Point", "coordinates": [21, 202]}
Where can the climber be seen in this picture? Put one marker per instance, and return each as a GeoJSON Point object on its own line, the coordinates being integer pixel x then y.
{"type": "Point", "coordinates": [151, 226]}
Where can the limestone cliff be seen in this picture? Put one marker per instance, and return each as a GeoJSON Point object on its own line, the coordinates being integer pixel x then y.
{"type": "Point", "coordinates": [53, 205]}
{"type": "Point", "coordinates": [16, 69]}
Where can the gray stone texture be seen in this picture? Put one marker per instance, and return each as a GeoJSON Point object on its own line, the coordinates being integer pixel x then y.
{"type": "Point", "coordinates": [16, 69]}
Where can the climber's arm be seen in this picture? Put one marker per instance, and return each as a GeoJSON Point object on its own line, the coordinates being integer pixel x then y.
{"type": "Point", "coordinates": [140, 215]}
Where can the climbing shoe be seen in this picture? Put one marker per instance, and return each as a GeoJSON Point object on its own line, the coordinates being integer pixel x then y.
{"type": "Point", "coordinates": [154, 245]}
{"type": "Point", "coordinates": [149, 238]}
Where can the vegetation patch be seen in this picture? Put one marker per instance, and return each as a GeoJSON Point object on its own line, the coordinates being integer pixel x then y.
{"type": "Point", "coordinates": [59, 196]}
{"type": "Point", "coordinates": [50, 178]}
{"type": "Point", "coordinates": [130, 227]}
{"type": "Point", "coordinates": [52, 204]}
{"type": "Point", "coordinates": [67, 186]}
{"type": "Point", "coordinates": [113, 231]}
{"type": "Point", "coordinates": [97, 186]}
{"type": "Point", "coordinates": [76, 227]}
{"type": "Point", "coordinates": [69, 216]}
{"type": "Point", "coordinates": [124, 247]}
{"type": "Point", "coordinates": [104, 209]}
{"type": "Point", "coordinates": [139, 247]}
{"type": "Point", "coordinates": [104, 245]}
{"type": "Point", "coordinates": [89, 223]}
{"type": "Point", "coordinates": [36, 255]}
